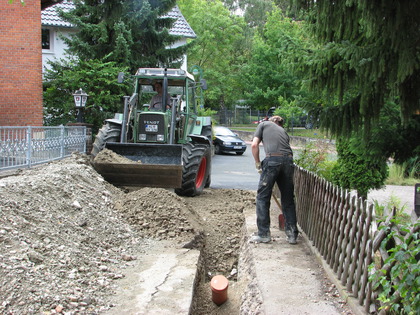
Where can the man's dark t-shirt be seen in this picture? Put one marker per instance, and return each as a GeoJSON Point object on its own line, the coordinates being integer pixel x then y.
{"type": "Point", "coordinates": [274, 138]}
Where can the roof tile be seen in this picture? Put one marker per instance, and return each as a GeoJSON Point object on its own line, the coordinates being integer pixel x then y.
{"type": "Point", "coordinates": [49, 17]}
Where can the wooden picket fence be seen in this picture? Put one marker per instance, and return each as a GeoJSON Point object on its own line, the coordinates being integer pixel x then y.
{"type": "Point", "coordinates": [343, 228]}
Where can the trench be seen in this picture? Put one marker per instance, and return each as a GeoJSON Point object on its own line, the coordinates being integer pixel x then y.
{"type": "Point", "coordinates": [224, 250]}
{"type": "Point", "coordinates": [243, 295]}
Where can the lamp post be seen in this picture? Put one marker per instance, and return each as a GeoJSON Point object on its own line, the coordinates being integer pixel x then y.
{"type": "Point", "coordinates": [80, 98]}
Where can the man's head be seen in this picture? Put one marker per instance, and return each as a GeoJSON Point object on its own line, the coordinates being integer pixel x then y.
{"type": "Point", "coordinates": [277, 120]}
{"type": "Point", "coordinates": [157, 86]}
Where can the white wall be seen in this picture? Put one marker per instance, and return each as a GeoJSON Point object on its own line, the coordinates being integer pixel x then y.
{"type": "Point", "coordinates": [58, 47]}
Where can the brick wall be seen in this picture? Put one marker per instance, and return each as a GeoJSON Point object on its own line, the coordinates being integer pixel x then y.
{"type": "Point", "coordinates": [20, 63]}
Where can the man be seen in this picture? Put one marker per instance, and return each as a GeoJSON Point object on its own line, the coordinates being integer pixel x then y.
{"type": "Point", "coordinates": [157, 100]}
{"type": "Point", "coordinates": [277, 167]}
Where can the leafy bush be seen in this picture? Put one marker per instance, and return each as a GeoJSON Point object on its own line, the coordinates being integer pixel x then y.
{"type": "Point", "coordinates": [97, 78]}
{"type": "Point", "coordinates": [314, 157]}
{"type": "Point", "coordinates": [357, 168]}
{"type": "Point", "coordinates": [393, 202]}
{"type": "Point", "coordinates": [399, 278]}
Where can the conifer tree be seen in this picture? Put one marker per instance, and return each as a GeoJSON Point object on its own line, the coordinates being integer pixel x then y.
{"type": "Point", "coordinates": [131, 33]}
{"type": "Point", "coordinates": [368, 54]}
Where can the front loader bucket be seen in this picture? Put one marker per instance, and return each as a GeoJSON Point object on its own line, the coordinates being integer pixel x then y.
{"type": "Point", "coordinates": [154, 165]}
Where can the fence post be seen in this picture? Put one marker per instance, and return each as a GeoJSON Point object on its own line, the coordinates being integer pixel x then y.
{"type": "Point", "coordinates": [29, 143]}
{"type": "Point", "coordinates": [84, 137]}
{"type": "Point", "coordinates": [61, 141]}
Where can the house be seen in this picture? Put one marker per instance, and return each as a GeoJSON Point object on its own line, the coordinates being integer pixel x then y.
{"type": "Point", "coordinates": [54, 28]}
{"type": "Point", "coordinates": [21, 63]}
{"type": "Point", "coordinates": [22, 57]}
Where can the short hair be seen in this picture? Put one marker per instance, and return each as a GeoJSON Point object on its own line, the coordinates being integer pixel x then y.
{"type": "Point", "coordinates": [158, 83]}
{"type": "Point", "coordinates": [277, 119]}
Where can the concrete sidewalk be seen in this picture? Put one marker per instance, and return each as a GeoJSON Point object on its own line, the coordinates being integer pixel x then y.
{"type": "Point", "coordinates": [291, 278]}
{"type": "Point", "coordinates": [161, 282]}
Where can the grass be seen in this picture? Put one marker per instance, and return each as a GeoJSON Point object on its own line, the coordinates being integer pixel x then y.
{"type": "Point", "coordinates": [382, 210]}
{"type": "Point", "coordinates": [397, 176]}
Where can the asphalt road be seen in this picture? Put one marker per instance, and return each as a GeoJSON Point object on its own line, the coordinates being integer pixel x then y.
{"type": "Point", "coordinates": [234, 171]}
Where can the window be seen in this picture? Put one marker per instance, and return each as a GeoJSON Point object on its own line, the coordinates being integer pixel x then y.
{"type": "Point", "coordinates": [46, 39]}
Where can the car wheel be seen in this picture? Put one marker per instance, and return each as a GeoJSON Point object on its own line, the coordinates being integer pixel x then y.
{"type": "Point", "coordinates": [217, 149]}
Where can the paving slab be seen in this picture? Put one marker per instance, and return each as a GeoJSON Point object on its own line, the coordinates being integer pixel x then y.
{"type": "Point", "coordinates": [160, 282]}
{"type": "Point", "coordinates": [289, 277]}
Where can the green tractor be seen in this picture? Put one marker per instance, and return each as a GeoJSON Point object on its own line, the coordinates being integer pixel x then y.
{"type": "Point", "coordinates": [170, 146]}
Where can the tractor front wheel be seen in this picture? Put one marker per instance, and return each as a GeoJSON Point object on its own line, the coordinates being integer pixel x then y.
{"type": "Point", "coordinates": [196, 171]}
{"type": "Point", "coordinates": [108, 133]}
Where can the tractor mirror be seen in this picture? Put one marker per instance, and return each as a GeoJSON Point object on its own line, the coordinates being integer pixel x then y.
{"type": "Point", "coordinates": [120, 77]}
{"type": "Point", "coordinates": [203, 84]}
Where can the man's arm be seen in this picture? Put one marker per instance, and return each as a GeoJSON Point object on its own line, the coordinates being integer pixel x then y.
{"type": "Point", "coordinates": [255, 148]}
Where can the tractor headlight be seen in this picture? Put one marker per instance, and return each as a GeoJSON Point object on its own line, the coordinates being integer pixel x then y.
{"type": "Point", "coordinates": [160, 138]}
{"type": "Point", "coordinates": [142, 137]}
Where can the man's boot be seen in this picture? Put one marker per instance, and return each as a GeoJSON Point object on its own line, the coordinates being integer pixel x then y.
{"type": "Point", "coordinates": [291, 233]}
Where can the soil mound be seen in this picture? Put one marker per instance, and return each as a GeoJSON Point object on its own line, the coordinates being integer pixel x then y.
{"type": "Point", "coordinates": [66, 235]}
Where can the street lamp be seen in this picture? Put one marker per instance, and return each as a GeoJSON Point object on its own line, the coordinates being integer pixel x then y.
{"type": "Point", "coordinates": [80, 98]}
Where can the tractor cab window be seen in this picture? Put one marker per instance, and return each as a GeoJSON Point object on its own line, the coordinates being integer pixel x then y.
{"type": "Point", "coordinates": [149, 91]}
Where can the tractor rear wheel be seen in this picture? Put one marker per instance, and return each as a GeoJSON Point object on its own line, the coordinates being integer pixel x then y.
{"type": "Point", "coordinates": [196, 171]}
{"type": "Point", "coordinates": [108, 133]}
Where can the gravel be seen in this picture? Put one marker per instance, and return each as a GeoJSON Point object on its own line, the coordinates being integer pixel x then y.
{"type": "Point", "coordinates": [67, 236]}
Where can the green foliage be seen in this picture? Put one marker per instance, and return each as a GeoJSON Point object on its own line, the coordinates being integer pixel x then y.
{"type": "Point", "coordinates": [130, 33]}
{"type": "Point", "coordinates": [387, 138]}
{"type": "Point", "coordinates": [219, 49]}
{"type": "Point", "coordinates": [314, 157]}
{"type": "Point", "coordinates": [256, 12]}
{"type": "Point", "coordinates": [390, 138]}
{"type": "Point", "coordinates": [270, 78]}
{"type": "Point", "coordinates": [405, 174]}
{"type": "Point", "coordinates": [289, 111]}
{"type": "Point", "coordinates": [358, 167]}
{"type": "Point", "coordinates": [363, 61]}
{"type": "Point", "coordinates": [382, 211]}
{"type": "Point", "coordinates": [400, 285]}
{"type": "Point", "coordinates": [206, 112]}
{"type": "Point", "coordinates": [98, 79]}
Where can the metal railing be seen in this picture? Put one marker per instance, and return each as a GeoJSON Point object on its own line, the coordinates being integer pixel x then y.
{"type": "Point", "coordinates": [27, 146]}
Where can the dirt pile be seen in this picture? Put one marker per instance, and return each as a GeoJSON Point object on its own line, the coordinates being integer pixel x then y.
{"type": "Point", "coordinates": [66, 236]}
{"type": "Point", "coordinates": [107, 156]}
{"type": "Point", "coordinates": [62, 241]}
{"type": "Point", "coordinates": [158, 213]}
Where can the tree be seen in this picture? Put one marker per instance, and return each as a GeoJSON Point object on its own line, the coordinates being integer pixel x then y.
{"type": "Point", "coordinates": [93, 76]}
{"type": "Point", "coordinates": [131, 33]}
{"type": "Point", "coordinates": [270, 75]}
{"type": "Point", "coordinates": [366, 57]}
{"type": "Point", "coordinates": [357, 169]}
{"type": "Point", "coordinates": [366, 60]}
{"type": "Point", "coordinates": [112, 36]}
{"type": "Point", "coordinates": [219, 49]}
{"type": "Point", "coordinates": [256, 12]}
